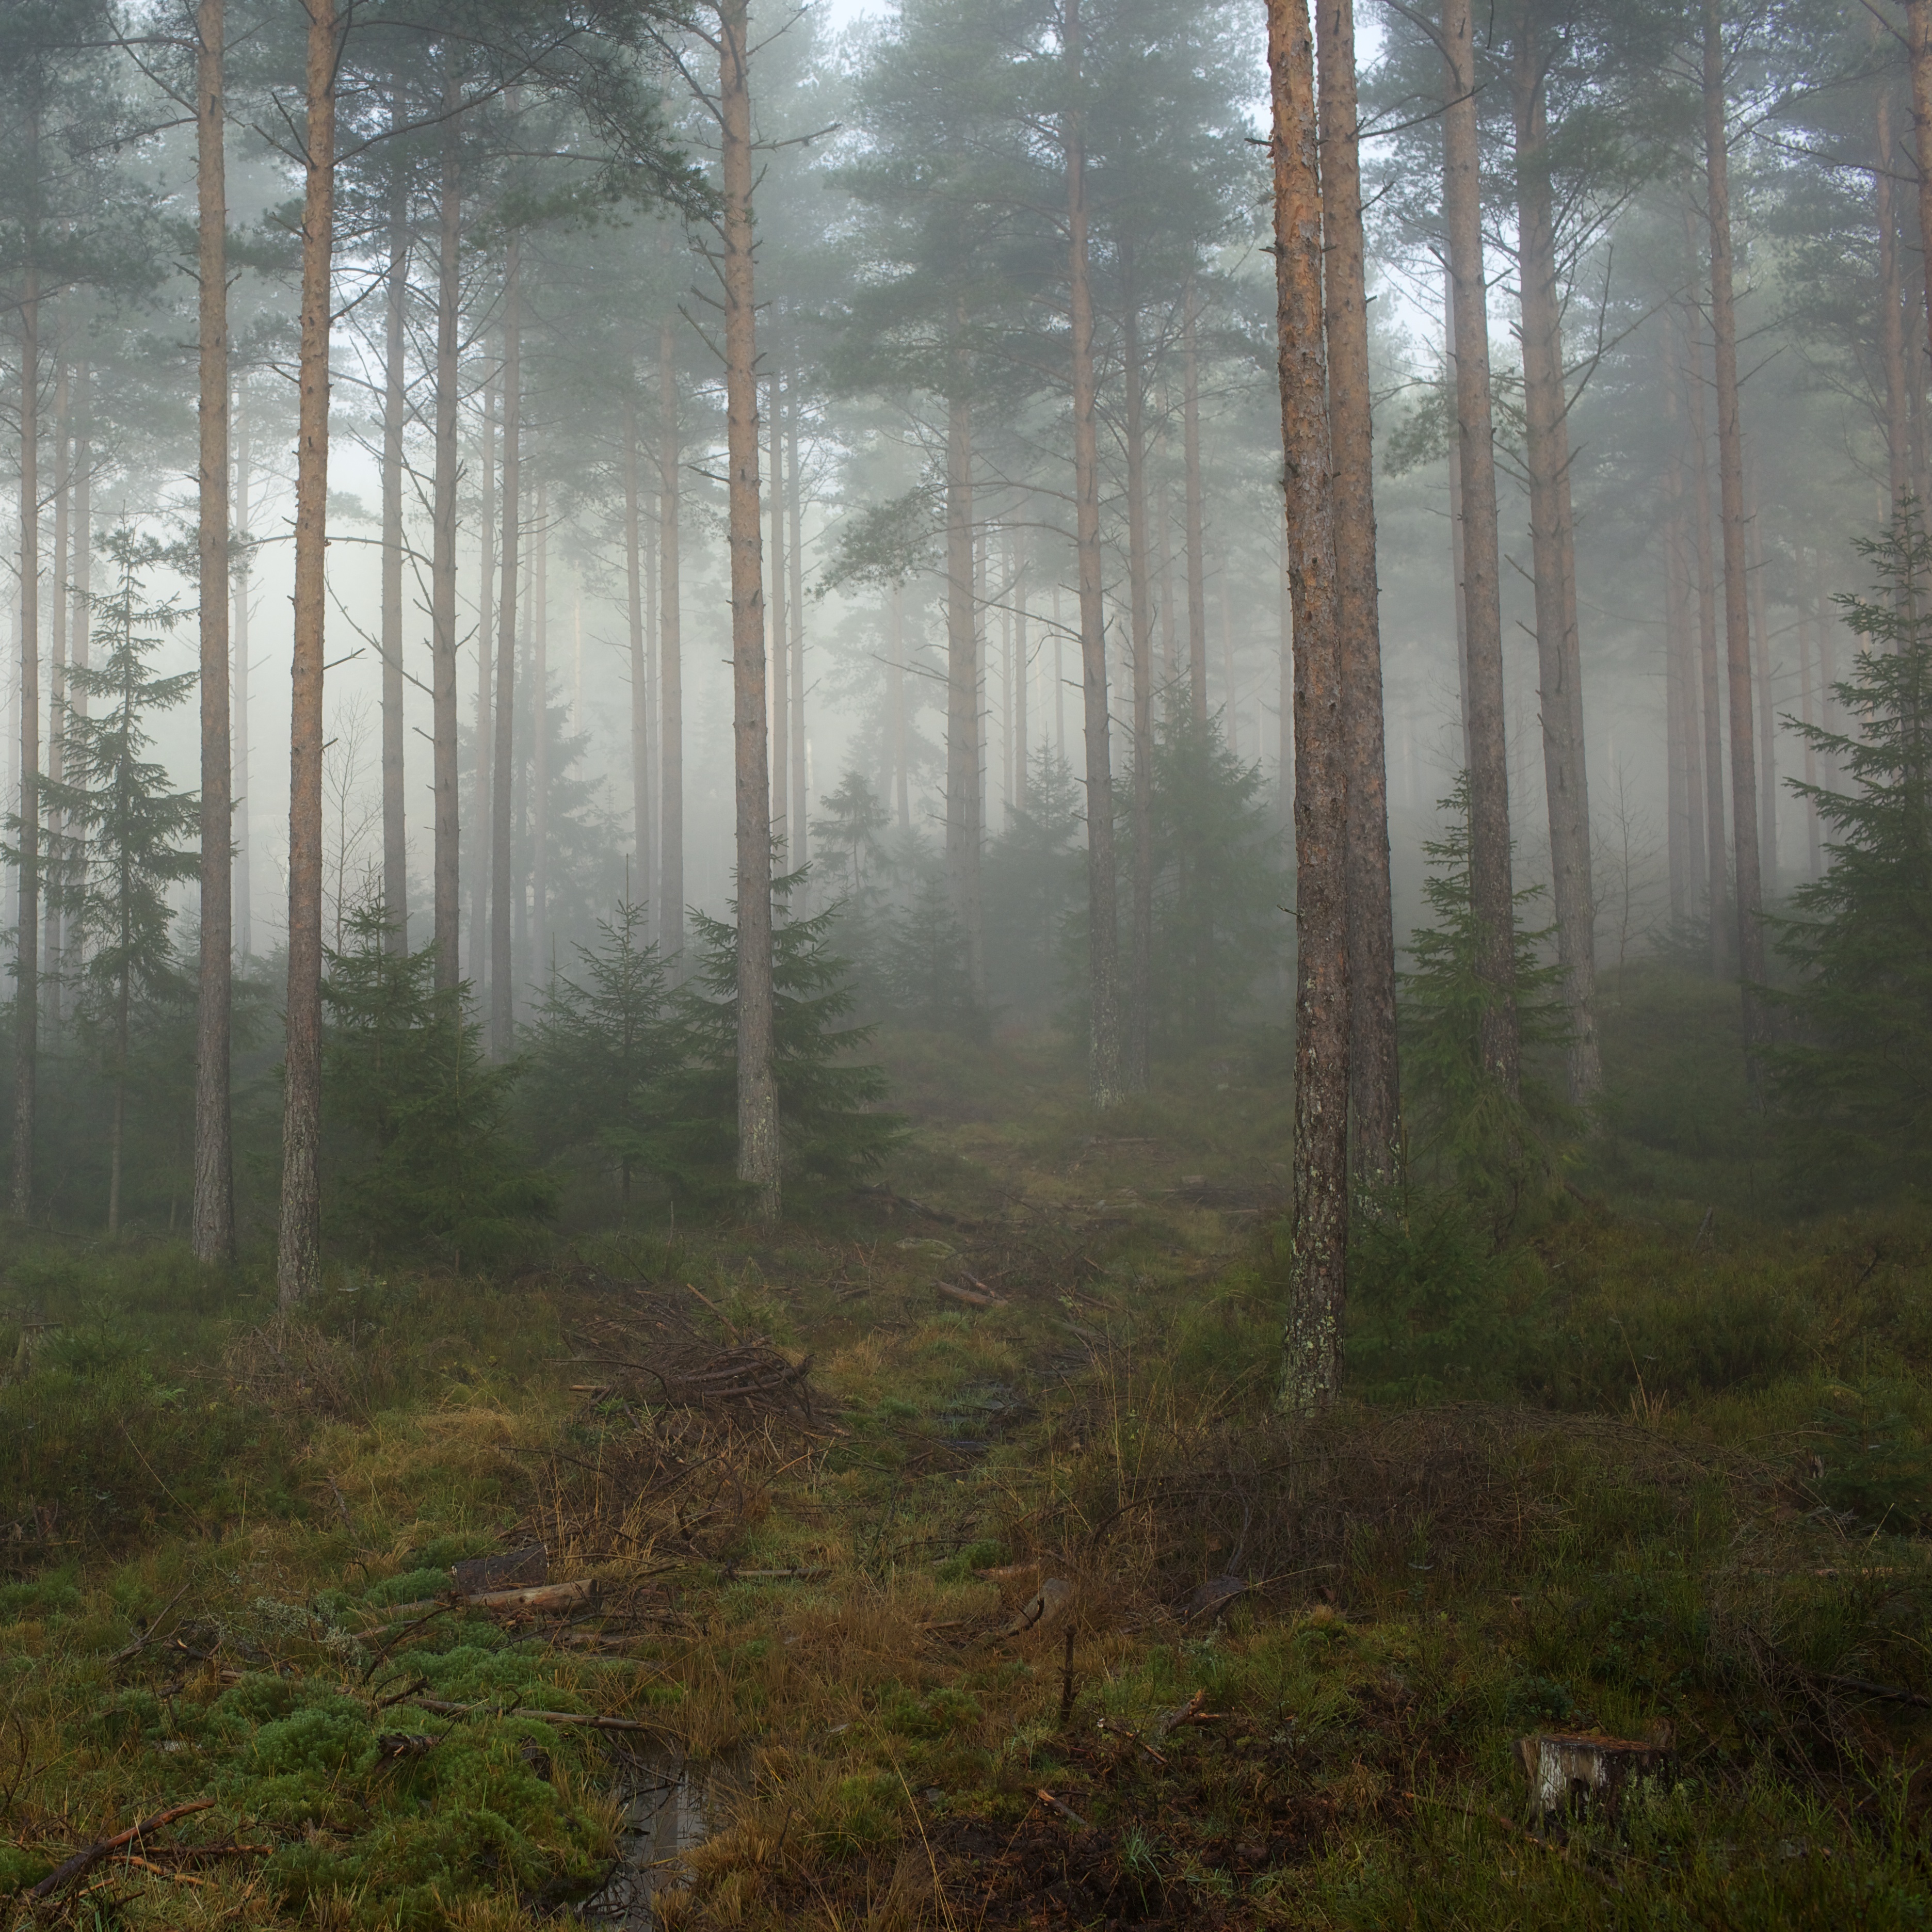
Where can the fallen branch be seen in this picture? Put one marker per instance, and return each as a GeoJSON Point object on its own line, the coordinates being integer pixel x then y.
{"type": "Point", "coordinates": [83, 1861]}
{"type": "Point", "coordinates": [538, 1597]}
{"type": "Point", "coordinates": [1066, 1811]}
{"type": "Point", "coordinates": [1891, 1693]}
{"type": "Point", "coordinates": [973, 1297]}
{"type": "Point", "coordinates": [154, 1630]}
{"type": "Point", "coordinates": [444, 1708]}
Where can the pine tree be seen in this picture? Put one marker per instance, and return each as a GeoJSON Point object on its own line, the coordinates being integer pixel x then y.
{"type": "Point", "coordinates": [124, 824]}
{"type": "Point", "coordinates": [1499, 1141]}
{"type": "Point", "coordinates": [1855, 1089]}
{"type": "Point", "coordinates": [417, 1118]}
{"type": "Point", "coordinates": [600, 1038]}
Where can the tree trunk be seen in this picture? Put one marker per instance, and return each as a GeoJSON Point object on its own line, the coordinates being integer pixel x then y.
{"type": "Point", "coordinates": [1748, 892]}
{"type": "Point", "coordinates": [50, 933]}
{"type": "Point", "coordinates": [299, 1263]}
{"type": "Point", "coordinates": [671, 661]}
{"type": "Point", "coordinates": [963, 828]}
{"type": "Point", "coordinates": [801, 772]}
{"type": "Point", "coordinates": [1713, 746]}
{"type": "Point", "coordinates": [1022, 675]}
{"type": "Point", "coordinates": [1457, 598]}
{"type": "Point", "coordinates": [1197, 547]}
{"type": "Point", "coordinates": [1312, 1368]}
{"type": "Point", "coordinates": [895, 716]}
{"type": "Point", "coordinates": [1808, 712]}
{"type": "Point", "coordinates": [1105, 1085]}
{"type": "Point", "coordinates": [503, 696]}
{"type": "Point", "coordinates": [82, 540]}
{"type": "Point", "coordinates": [1490, 890]}
{"type": "Point", "coordinates": [26, 952]}
{"type": "Point", "coordinates": [213, 1215]}
{"type": "Point", "coordinates": [758, 1145]}
{"type": "Point", "coordinates": [634, 588]}
{"type": "Point", "coordinates": [1767, 715]}
{"type": "Point", "coordinates": [1559, 663]}
{"type": "Point", "coordinates": [1685, 840]}
{"type": "Point", "coordinates": [483, 815]}
{"type": "Point", "coordinates": [446, 886]}
{"type": "Point", "coordinates": [1374, 1085]}
{"type": "Point", "coordinates": [1140, 617]}
{"type": "Point", "coordinates": [539, 628]}
{"type": "Point", "coordinates": [395, 822]}
{"type": "Point", "coordinates": [1891, 301]}
{"type": "Point", "coordinates": [776, 658]}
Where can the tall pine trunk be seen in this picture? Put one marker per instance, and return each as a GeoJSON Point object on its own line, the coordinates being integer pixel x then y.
{"type": "Point", "coordinates": [1559, 662]}
{"type": "Point", "coordinates": [895, 702]}
{"type": "Point", "coordinates": [1022, 672]}
{"type": "Point", "coordinates": [446, 882]}
{"type": "Point", "coordinates": [483, 816]}
{"type": "Point", "coordinates": [1767, 713]}
{"type": "Point", "coordinates": [395, 824]}
{"type": "Point", "coordinates": [670, 659]}
{"type": "Point", "coordinates": [1891, 301]}
{"type": "Point", "coordinates": [81, 616]}
{"type": "Point", "coordinates": [801, 773]}
{"type": "Point", "coordinates": [1140, 618]}
{"type": "Point", "coordinates": [26, 951]}
{"type": "Point", "coordinates": [1685, 840]}
{"type": "Point", "coordinates": [1312, 1369]}
{"type": "Point", "coordinates": [1748, 892]}
{"type": "Point", "coordinates": [1105, 1084]}
{"type": "Point", "coordinates": [213, 1213]}
{"type": "Point", "coordinates": [758, 1145]}
{"type": "Point", "coordinates": [634, 592]}
{"type": "Point", "coordinates": [1491, 895]}
{"type": "Point", "coordinates": [1374, 1088]}
{"type": "Point", "coordinates": [1195, 533]}
{"type": "Point", "coordinates": [1717, 894]}
{"type": "Point", "coordinates": [298, 1260]}
{"type": "Point", "coordinates": [503, 695]}
{"type": "Point", "coordinates": [50, 930]}
{"type": "Point", "coordinates": [1919, 41]}
{"type": "Point", "coordinates": [539, 631]}
{"type": "Point", "coordinates": [1457, 598]}
{"type": "Point", "coordinates": [780, 684]}
{"type": "Point", "coordinates": [963, 827]}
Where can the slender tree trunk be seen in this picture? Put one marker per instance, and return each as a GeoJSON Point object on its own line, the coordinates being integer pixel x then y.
{"type": "Point", "coordinates": [1022, 675]}
{"type": "Point", "coordinates": [1747, 894]}
{"type": "Point", "coordinates": [1680, 689]}
{"type": "Point", "coordinates": [1374, 1085]}
{"type": "Point", "coordinates": [1891, 299]}
{"type": "Point", "coordinates": [117, 1123]}
{"type": "Point", "coordinates": [213, 1215]}
{"type": "Point", "coordinates": [780, 684]}
{"type": "Point", "coordinates": [1767, 715]}
{"type": "Point", "coordinates": [1059, 681]}
{"type": "Point", "coordinates": [1808, 712]}
{"type": "Point", "coordinates": [1707, 654]}
{"type": "Point", "coordinates": [758, 1144]}
{"type": "Point", "coordinates": [895, 702]}
{"type": "Point", "coordinates": [1546, 408]}
{"type": "Point", "coordinates": [633, 586]}
{"type": "Point", "coordinates": [1163, 576]}
{"type": "Point", "coordinates": [1196, 538]}
{"type": "Point", "coordinates": [395, 822]}
{"type": "Point", "coordinates": [963, 828]}
{"type": "Point", "coordinates": [446, 886]}
{"type": "Point", "coordinates": [83, 617]}
{"type": "Point", "coordinates": [1457, 598]}
{"type": "Point", "coordinates": [1312, 1368]}
{"type": "Point", "coordinates": [299, 1265]}
{"type": "Point", "coordinates": [670, 658]}
{"type": "Point", "coordinates": [26, 954]}
{"type": "Point", "coordinates": [1490, 890]}
{"type": "Point", "coordinates": [56, 870]}
{"type": "Point", "coordinates": [483, 812]}
{"type": "Point", "coordinates": [1140, 617]}
{"type": "Point", "coordinates": [539, 664]}
{"type": "Point", "coordinates": [647, 856]}
{"type": "Point", "coordinates": [503, 696]}
{"type": "Point", "coordinates": [801, 772]}
{"type": "Point", "coordinates": [1105, 1085]}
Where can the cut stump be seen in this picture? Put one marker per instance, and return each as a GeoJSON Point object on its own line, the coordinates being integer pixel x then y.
{"type": "Point", "coordinates": [1566, 1772]}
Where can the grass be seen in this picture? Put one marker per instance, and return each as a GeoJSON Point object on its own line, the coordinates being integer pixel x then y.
{"type": "Point", "coordinates": [1659, 1470]}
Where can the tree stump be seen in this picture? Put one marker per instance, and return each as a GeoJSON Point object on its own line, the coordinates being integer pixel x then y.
{"type": "Point", "coordinates": [1566, 1772]}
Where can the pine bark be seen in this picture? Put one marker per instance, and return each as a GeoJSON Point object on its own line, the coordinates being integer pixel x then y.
{"type": "Point", "coordinates": [539, 631]}
{"type": "Point", "coordinates": [1891, 301]}
{"type": "Point", "coordinates": [1685, 841]}
{"type": "Point", "coordinates": [1491, 891]}
{"type": "Point", "coordinates": [670, 659]}
{"type": "Point", "coordinates": [1194, 509]}
{"type": "Point", "coordinates": [1767, 714]}
{"type": "Point", "coordinates": [1374, 1086]}
{"type": "Point", "coordinates": [1140, 617]}
{"type": "Point", "coordinates": [50, 927]}
{"type": "Point", "coordinates": [801, 771]}
{"type": "Point", "coordinates": [758, 1146]}
{"type": "Point", "coordinates": [26, 952]}
{"type": "Point", "coordinates": [212, 1219]}
{"type": "Point", "coordinates": [1808, 712]}
{"type": "Point", "coordinates": [446, 861]}
{"type": "Point", "coordinates": [1312, 1368]}
{"type": "Point", "coordinates": [1748, 892]}
{"type": "Point", "coordinates": [1559, 659]}
{"type": "Point", "coordinates": [483, 816]}
{"type": "Point", "coordinates": [395, 824]}
{"type": "Point", "coordinates": [1457, 599]}
{"type": "Point", "coordinates": [1022, 674]}
{"type": "Point", "coordinates": [780, 684]}
{"type": "Point", "coordinates": [964, 831]}
{"type": "Point", "coordinates": [81, 617]}
{"type": "Point", "coordinates": [1707, 681]}
{"type": "Point", "coordinates": [503, 695]}
{"type": "Point", "coordinates": [634, 590]}
{"type": "Point", "coordinates": [1106, 1087]}
{"type": "Point", "coordinates": [298, 1260]}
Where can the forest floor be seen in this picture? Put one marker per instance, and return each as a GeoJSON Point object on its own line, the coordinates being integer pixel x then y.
{"type": "Point", "coordinates": [943, 1562]}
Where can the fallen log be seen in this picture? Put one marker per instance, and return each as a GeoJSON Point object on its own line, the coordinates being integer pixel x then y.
{"type": "Point", "coordinates": [535, 1597]}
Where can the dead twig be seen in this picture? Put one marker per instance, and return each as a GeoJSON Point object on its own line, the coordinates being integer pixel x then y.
{"type": "Point", "coordinates": [84, 1861]}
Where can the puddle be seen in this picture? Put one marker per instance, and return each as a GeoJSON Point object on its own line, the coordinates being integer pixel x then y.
{"type": "Point", "coordinates": [666, 1816]}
